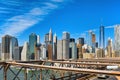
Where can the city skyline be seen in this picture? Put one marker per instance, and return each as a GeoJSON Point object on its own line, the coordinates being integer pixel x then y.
{"type": "Point", "coordinates": [76, 17]}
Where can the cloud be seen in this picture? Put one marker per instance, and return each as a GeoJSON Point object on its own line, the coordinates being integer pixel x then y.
{"type": "Point", "coordinates": [110, 26]}
{"type": "Point", "coordinates": [57, 0]}
{"type": "Point", "coordinates": [19, 23]}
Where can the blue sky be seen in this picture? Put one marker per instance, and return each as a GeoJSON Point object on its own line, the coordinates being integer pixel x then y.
{"type": "Point", "coordinates": [22, 17]}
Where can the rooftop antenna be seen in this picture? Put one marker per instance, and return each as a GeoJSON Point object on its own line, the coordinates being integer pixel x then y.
{"type": "Point", "coordinates": [101, 21]}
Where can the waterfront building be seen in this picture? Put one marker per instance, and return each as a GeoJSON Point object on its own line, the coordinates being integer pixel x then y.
{"type": "Point", "coordinates": [93, 42]}
{"type": "Point", "coordinates": [50, 52]}
{"type": "Point", "coordinates": [6, 47]}
{"type": "Point", "coordinates": [24, 53]}
{"type": "Point", "coordinates": [43, 52]}
{"type": "Point", "coordinates": [102, 37]}
{"type": "Point", "coordinates": [72, 49]}
{"type": "Point", "coordinates": [0, 50]}
{"type": "Point", "coordinates": [109, 48]}
{"type": "Point", "coordinates": [32, 45]}
{"type": "Point", "coordinates": [50, 36]}
{"type": "Point", "coordinates": [65, 41]}
{"type": "Point", "coordinates": [54, 47]}
{"type": "Point", "coordinates": [100, 53]}
{"type": "Point", "coordinates": [59, 49]}
{"type": "Point", "coordinates": [20, 51]}
{"type": "Point", "coordinates": [16, 55]}
{"type": "Point", "coordinates": [88, 55]}
{"type": "Point", "coordinates": [13, 44]}
{"type": "Point", "coordinates": [117, 40]}
{"type": "Point", "coordinates": [80, 43]}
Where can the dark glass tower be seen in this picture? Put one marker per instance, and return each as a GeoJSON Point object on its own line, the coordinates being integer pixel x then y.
{"type": "Point", "coordinates": [102, 37]}
{"type": "Point", "coordinates": [6, 47]}
{"type": "Point", "coordinates": [32, 44]}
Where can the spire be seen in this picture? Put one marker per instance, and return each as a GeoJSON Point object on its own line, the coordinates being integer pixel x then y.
{"type": "Point", "coordinates": [55, 34]}
{"type": "Point", "coordinates": [50, 30]}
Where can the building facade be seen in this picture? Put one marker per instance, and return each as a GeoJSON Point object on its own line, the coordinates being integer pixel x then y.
{"type": "Point", "coordinates": [32, 45]}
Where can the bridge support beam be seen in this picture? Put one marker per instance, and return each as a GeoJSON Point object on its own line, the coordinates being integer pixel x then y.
{"type": "Point", "coordinates": [25, 73]}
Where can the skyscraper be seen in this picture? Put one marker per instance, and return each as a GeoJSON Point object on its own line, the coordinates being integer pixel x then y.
{"type": "Point", "coordinates": [50, 36]}
{"type": "Point", "coordinates": [59, 49]}
{"type": "Point", "coordinates": [24, 53]}
{"type": "Point", "coordinates": [102, 37]}
{"type": "Point", "coordinates": [66, 35]}
{"type": "Point", "coordinates": [6, 47]}
{"type": "Point", "coordinates": [93, 42]}
{"type": "Point", "coordinates": [109, 48]}
{"type": "Point", "coordinates": [13, 44]}
{"type": "Point", "coordinates": [66, 39]}
{"type": "Point", "coordinates": [80, 43]}
{"type": "Point", "coordinates": [72, 49]}
{"type": "Point", "coordinates": [55, 47]}
{"type": "Point", "coordinates": [117, 40]}
{"type": "Point", "coordinates": [32, 45]}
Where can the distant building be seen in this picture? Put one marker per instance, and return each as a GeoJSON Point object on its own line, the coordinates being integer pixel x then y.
{"type": "Point", "coordinates": [109, 48]}
{"type": "Point", "coordinates": [55, 47]}
{"type": "Point", "coordinates": [65, 41]}
{"type": "Point", "coordinates": [43, 52]}
{"type": "Point", "coordinates": [6, 47]}
{"type": "Point", "coordinates": [13, 44]}
{"type": "Point", "coordinates": [49, 41]}
{"type": "Point", "coordinates": [117, 40]}
{"type": "Point", "coordinates": [93, 42]}
{"type": "Point", "coordinates": [32, 45]}
{"type": "Point", "coordinates": [102, 38]}
{"type": "Point", "coordinates": [0, 50]}
{"type": "Point", "coordinates": [50, 52]}
{"type": "Point", "coordinates": [16, 53]}
{"type": "Point", "coordinates": [72, 49]}
{"type": "Point", "coordinates": [66, 35]}
{"type": "Point", "coordinates": [24, 53]}
{"type": "Point", "coordinates": [59, 49]}
{"type": "Point", "coordinates": [88, 55]}
{"type": "Point", "coordinates": [50, 36]}
{"type": "Point", "coordinates": [100, 53]}
{"type": "Point", "coordinates": [80, 43]}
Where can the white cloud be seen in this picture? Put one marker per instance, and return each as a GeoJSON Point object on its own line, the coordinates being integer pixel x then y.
{"type": "Point", "coordinates": [57, 0]}
{"type": "Point", "coordinates": [17, 24]}
{"type": "Point", "coordinates": [110, 26]}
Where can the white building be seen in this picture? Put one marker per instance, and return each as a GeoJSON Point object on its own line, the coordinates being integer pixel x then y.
{"type": "Point", "coordinates": [24, 52]}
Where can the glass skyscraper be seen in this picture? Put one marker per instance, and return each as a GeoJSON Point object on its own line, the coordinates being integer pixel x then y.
{"type": "Point", "coordinates": [32, 44]}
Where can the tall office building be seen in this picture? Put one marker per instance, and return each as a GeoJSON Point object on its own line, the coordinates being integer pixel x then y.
{"type": "Point", "coordinates": [102, 37]}
{"type": "Point", "coordinates": [66, 35]}
{"type": "Point", "coordinates": [46, 38]}
{"type": "Point", "coordinates": [59, 49]}
{"type": "Point", "coordinates": [32, 45]}
{"type": "Point", "coordinates": [6, 47]}
{"type": "Point", "coordinates": [50, 36]}
{"type": "Point", "coordinates": [24, 53]}
{"type": "Point", "coordinates": [100, 53]}
{"type": "Point", "coordinates": [43, 52]}
{"type": "Point", "coordinates": [66, 39]}
{"type": "Point", "coordinates": [72, 49]}
{"type": "Point", "coordinates": [80, 43]}
{"type": "Point", "coordinates": [0, 50]}
{"type": "Point", "coordinates": [55, 47]}
{"type": "Point", "coordinates": [16, 53]}
{"type": "Point", "coordinates": [38, 39]}
{"type": "Point", "coordinates": [50, 52]}
{"type": "Point", "coordinates": [109, 48]}
{"type": "Point", "coordinates": [13, 44]}
{"type": "Point", "coordinates": [93, 42]}
{"type": "Point", "coordinates": [117, 40]}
